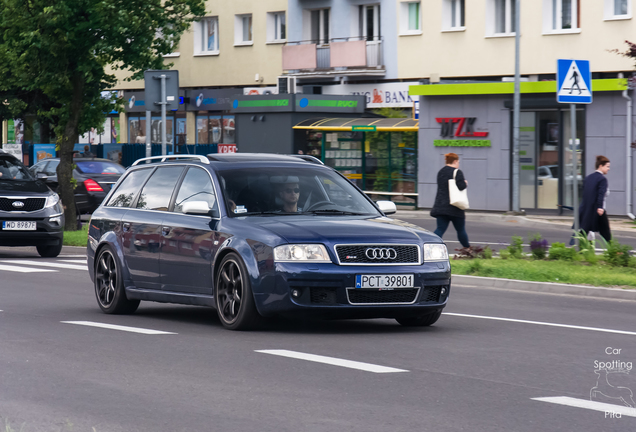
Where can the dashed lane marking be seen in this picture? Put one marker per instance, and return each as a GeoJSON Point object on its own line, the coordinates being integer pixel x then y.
{"type": "Point", "coordinates": [588, 404]}
{"type": "Point", "coordinates": [118, 327]}
{"type": "Point", "coordinates": [48, 264]}
{"type": "Point", "coordinates": [76, 261]}
{"type": "Point", "coordinates": [368, 367]}
{"type": "Point", "coordinates": [597, 329]}
{"type": "Point", "coordinates": [23, 269]}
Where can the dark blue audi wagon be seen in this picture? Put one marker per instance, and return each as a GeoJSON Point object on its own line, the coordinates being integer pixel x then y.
{"type": "Point", "coordinates": [259, 235]}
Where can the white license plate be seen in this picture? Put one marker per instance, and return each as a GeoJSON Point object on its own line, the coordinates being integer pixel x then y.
{"type": "Point", "coordinates": [18, 225]}
{"type": "Point", "coordinates": [385, 281]}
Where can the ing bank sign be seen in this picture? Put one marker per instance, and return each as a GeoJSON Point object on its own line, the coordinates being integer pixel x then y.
{"type": "Point", "coordinates": [389, 95]}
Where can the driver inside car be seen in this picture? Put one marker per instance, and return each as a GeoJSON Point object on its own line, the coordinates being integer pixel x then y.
{"type": "Point", "coordinates": [287, 193]}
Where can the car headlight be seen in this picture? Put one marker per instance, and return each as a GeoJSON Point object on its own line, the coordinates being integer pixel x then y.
{"type": "Point", "coordinates": [435, 252]}
{"type": "Point", "coordinates": [52, 200]}
{"type": "Point", "coordinates": [301, 252]}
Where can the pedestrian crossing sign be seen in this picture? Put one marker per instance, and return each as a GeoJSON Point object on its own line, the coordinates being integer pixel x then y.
{"type": "Point", "coordinates": [574, 81]}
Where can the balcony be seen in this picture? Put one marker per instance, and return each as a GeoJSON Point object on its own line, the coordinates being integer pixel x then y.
{"type": "Point", "coordinates": [354, 56]}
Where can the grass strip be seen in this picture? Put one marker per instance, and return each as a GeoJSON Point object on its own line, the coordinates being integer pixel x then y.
{"type": "Point", "coordinates": [76, 238]}
{"type": "Point", "coordinates": [548, 271]}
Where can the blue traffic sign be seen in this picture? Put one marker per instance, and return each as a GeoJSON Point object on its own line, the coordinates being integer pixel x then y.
{"type": "Point", "coordinates": [574, 81]}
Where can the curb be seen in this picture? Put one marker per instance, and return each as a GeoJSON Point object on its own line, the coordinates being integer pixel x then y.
{"type": "Point", "coordinates": [544, 287]}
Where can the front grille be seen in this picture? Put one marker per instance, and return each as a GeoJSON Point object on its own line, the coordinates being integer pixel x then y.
{"type": "Point", "coordinates": [30, 204]}
{"type": "Point", "coordinates": [431, 294]}
{"type": "Point", "coordinates": [397, 296]}
{"type": "Point", "coordinates": [323, 295]}
{"type": "Point", "coordinates": [385, 254]}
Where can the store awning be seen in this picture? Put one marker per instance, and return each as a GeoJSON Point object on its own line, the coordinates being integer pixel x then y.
{"type": "Point", "coordinates": [360, 124]}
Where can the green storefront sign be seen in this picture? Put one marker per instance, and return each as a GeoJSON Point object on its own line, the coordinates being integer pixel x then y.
{"type": "Point", "coordinates": [363, 128]}
{"type": "Point", "coordinates": [461, 143]}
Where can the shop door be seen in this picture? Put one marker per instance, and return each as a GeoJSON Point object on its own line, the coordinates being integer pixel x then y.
{"type": "Point", "coordinates": [545, 159]}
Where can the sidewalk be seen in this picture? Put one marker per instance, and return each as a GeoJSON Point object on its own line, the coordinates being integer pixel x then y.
{"type": "Point", "coordinates": [623, 224]}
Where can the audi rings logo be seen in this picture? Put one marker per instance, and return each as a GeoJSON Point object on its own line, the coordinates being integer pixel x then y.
{"type": "Point", "coordinates": [381, 253]}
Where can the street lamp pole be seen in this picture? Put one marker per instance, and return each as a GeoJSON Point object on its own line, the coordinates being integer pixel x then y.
{"type": "Point", "coordinates": [515, 115]}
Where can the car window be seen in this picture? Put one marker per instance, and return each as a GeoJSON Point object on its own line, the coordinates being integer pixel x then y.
{"type": "Point", "coordinates": [291, 190]}
{"type": "Point", "coordinates": [99, 167]}
{"type": "Point", "coordinates": [38, 167]}
{"type": "Point", "coordinates": [128, 188]}
{"type": "Point", "coordinates": [158, 190]}
{"type": "Point", "coordinates": [196, 186]}
{"type": "Point", "coordinates": [11, 169]}
{"type": "Point", "coordinates": [51, 168]}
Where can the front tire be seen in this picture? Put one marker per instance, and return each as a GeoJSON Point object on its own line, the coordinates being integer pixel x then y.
{"type": "Point", "coordinates": [233, 295]}
{"type": "Point", "coordinates": [420, 321]}
{"type": "Point", "coordinates": [49, 251]}
{"type": "Point", "coordinates": [109, 285]}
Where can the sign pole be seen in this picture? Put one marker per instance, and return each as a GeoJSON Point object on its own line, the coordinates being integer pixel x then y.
{"type": "Point", "coordinates": [163, 114]}
{"type": "Point", "coordinates": [148, 137]}
{"type": "Point", "coordinates": [575, 179]}
{"type": "Point", "coordinates": [516, 207]}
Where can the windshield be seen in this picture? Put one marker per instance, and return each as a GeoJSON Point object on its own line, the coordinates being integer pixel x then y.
{"type": "Point", "coordinates": [287, 191]}
{"type": "Point", "coordinates": [11, 169]}
{"type": "Point", "coordinates": [99, 167]}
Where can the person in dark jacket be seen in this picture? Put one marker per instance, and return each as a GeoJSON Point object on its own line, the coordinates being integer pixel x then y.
{"type": "Point", "coordinates": [592, 214]}
{"type": "Point", "coordinates": [442, 210]}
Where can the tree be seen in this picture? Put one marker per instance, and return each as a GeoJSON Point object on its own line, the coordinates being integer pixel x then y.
{"type": "Point", "coordinates": [57, 56]}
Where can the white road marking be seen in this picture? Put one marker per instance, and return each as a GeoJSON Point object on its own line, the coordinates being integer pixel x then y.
{"type": "Point", "coordinates": [48, 264]}
{"type": "Point", "coordinates": [544, 323]}
{"type": "Point", "coordinates": [368, 367]}
{"type": "Point", "coordinates": [23, 269]}
{"type": "Point", "coordinates": [588, 404]}
{"type": "Point", "coordinates": [72, 256]}
{"type": "Point", "coordinates": [73, 261]}
{"type": "Point", "coordinates": [117, 327]}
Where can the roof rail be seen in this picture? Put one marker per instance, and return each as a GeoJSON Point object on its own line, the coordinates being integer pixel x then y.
{"type": "Point", "coordinates": [308, 158]}
{"type": "Point", "coordinates": [201, 158]}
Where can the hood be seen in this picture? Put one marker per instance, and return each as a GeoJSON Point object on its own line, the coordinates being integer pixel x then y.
{"type": "Point", "coordinates": [332, 230]}
{"type": "Point", "coordinates": [23, 187]}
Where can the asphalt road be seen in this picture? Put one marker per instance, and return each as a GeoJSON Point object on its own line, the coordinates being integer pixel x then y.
{"type": "Point", "coordinates": [497, 234]}
{"type": "Point", "coordinates": [469, 372]}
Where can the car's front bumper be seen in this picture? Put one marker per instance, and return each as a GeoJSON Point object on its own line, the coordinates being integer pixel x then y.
{"type": "Point", "coordinates": [328, 290]}
{"type": "Point", "coordinates": [48, 232]}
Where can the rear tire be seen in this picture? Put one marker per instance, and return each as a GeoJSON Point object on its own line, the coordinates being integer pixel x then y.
{"type": "Point", "coordinates": [109, 285]}
{"type": "Point", "coordinates": [233, 295]}
{"type": "Point", "coordinates": [420, 321]}
{"type": "Point", "coordinates": [49, 251]}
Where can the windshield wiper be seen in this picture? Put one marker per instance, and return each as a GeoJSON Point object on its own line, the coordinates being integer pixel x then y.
{"type": "Point", "coordinates": [334, 212]}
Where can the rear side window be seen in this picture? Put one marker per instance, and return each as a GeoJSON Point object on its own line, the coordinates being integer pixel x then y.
{"type": "Point", "coordinates": [158, 190]}
{"type": "Point", "coordinates": [51, 168]}
{"type": "Point", "coordinates": [99, 167]}
{"type": "Point", "coordinates": [128, 188]}
{"type": "Point", "coordinates": [196, 186]}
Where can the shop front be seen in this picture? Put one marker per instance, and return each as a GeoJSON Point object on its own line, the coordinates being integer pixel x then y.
{"type": "Point", "coordinates": [475, 121]}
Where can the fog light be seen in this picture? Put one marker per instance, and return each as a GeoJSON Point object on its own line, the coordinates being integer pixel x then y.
{"type": "Point", "coordinates": [443, 291]}
{"type": "Point", "coordinates": [295, 293]}
{"type": "Point", "coordinates": [56, 220]}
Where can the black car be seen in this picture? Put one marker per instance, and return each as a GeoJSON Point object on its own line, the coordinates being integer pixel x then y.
{"type": "Point", "coordinates": [30, 213]}
{"type": "Point", "coordinates": [94, 176]}
{"type": "Point", "coordinates": [258, 235]}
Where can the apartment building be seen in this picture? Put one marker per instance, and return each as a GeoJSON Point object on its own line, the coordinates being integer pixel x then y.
{"type": "Point", "coordinates": [464, 51]}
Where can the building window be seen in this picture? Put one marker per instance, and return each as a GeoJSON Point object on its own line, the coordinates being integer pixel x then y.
{"type": "Point", "coordinates": [504, 16]}
{"type": "Point", "coordinates": [276, 27]}
{"type": "Point", "coordinates": [410, 18]}
{"type": "Point", "coordinates": [243, 29]}
{"type": "Point", "coordinates": [215, 129]}
{"type": "Point", "coordinates": [618, 9]}
{"type": "Point", "coordinates": [560, 16]}
{"type": "Point", "coordinates": [320, 26]}
{"type": "Point", "coordinates": [369, 22]}
{"type": "Point", "coordinates": [207, 36]}
{"type": "Point", "coordinates": [453, 15]}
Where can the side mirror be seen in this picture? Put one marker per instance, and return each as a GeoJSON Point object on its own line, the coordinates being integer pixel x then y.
{"type": "Point", "coordinates": [387, 207]}
{"type": "Point", "coordinates": [42, 176]}
{"type": "Point", "coordinates": [200, 208]}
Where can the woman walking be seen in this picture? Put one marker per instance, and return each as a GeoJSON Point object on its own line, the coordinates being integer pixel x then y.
{"type": "Point", "coordinates": [442, 210]}
{"type": "Point", "coordinates": [592, 214]}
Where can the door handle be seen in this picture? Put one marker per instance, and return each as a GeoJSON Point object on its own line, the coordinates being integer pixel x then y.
{"type": "Point", "coordinates": [126, 226]}
{"type": "Point", "coordinates": [165, 230]}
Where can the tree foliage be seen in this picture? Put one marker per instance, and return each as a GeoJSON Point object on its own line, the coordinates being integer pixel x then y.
{"type": "Point", "coordinates": [630, 52]}
{"type": "Point", "coordinates": [58, 56]}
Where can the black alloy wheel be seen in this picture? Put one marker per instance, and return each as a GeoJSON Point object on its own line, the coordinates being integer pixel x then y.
{"type": "Point", "coordinates": [233, 295]}
{"type": "Point", "coordinates": [109, 285]}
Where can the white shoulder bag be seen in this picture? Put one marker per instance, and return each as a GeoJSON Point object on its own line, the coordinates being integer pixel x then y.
{"type": "Point", "coordinates": [457, 198]}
